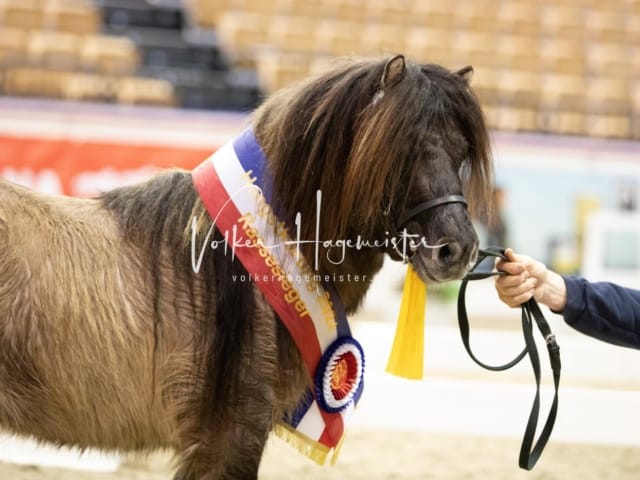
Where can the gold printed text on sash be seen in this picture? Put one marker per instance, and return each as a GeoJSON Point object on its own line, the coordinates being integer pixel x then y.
{"type": "Point", "coordinates": [291, 296]}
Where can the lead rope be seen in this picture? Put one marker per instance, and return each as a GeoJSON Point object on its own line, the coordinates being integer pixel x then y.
{"type": "Point", "coordinates": [528, 455]}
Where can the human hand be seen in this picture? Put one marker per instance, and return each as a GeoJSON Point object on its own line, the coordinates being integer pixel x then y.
{"type": "Point", "coordinates": [524, 275]}
{"type": "Point", "coordinates": [529, 278]}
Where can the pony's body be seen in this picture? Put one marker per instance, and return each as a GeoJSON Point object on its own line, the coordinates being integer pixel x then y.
{"type": "Point", "coordinates": [67, 278]}
{"type": "Point", "coordinates": [83, 362]}
{"type": "Point", "coordinates": [108, 339]}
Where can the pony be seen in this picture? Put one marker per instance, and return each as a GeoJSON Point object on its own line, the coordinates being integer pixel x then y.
{"type": "Point", "coordinates": [110, 340]}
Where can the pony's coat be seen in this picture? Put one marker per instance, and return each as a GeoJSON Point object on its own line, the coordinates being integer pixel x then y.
{"type": "Point", "coordinates": [108, 338]}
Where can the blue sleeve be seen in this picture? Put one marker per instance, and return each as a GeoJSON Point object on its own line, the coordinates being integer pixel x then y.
{"type": "Point", "coordinates": [604, 311]}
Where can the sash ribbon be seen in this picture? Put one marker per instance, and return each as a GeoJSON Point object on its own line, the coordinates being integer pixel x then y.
{"type": "Point", "coordinates": [235, 188]}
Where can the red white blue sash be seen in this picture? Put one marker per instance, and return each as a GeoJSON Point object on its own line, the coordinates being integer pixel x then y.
{"type": "Point", "coordinates": [234, 186]}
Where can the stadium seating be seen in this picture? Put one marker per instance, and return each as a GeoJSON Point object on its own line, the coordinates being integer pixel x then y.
{"type": "Point", "coordinates": [563, 66]}
{"type": "Point", "coordinates": [128, 51]}
{"type": "Point", "coordinates": [568, 67]}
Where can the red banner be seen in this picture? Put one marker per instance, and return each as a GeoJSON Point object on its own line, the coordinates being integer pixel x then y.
{"type": "Point", "coordinates": [86, 168]}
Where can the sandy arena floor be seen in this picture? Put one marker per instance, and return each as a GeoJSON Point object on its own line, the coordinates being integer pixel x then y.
{"type": "Point", "coordinates": [460, 423]}
{"type": "Point", "coordinates": [387, 455]}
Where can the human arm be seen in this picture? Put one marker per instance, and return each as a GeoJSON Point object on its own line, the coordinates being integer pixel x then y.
{"type": "Point", "coordinates": [601, 310]}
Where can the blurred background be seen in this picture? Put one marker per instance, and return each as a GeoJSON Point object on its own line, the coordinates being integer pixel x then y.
{"type": "Point", "coordinates": [97, 94]}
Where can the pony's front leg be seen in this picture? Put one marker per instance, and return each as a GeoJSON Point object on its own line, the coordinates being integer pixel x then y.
{"type": "Point", "coordinates": [237, 457]}
{"type": "Point", "coordinates": [231, 450]}
{"type": "Point", "coordinates": [245, 450]}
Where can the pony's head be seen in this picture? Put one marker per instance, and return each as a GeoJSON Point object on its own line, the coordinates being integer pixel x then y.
{"type": "Point", "coordinates": [452, 163]}
{"type": "Point", "coordinates": [380, 138]}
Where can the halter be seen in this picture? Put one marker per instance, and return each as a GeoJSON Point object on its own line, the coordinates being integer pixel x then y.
{"type": "Point", "coordinates": [417, 210]}
{"type": "Point", "coordinates": [428, 205]}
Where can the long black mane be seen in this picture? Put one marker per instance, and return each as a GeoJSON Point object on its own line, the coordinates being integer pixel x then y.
{"type": "Point", "coordinates": [155, 217]}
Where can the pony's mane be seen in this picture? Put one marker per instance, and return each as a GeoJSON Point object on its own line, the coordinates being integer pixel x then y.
{"type": "Point", "coordinates": [155, 218]}
{"type": "Point", "coordinates": [345, 135]}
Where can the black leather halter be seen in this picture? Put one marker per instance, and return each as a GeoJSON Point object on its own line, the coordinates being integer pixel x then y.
{"type": "Point", "coordinates": [530, 310]}
{"type": "Point", "coordinates": [428, 205]}
{"type": "Point", "coordinates": [396, 228]}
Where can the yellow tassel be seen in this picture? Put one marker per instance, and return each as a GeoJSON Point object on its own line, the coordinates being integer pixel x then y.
{"type": "Point", "coordinates": [336, 450]}
{"type": "Point", "coordinates": [306, 446]}
{"type": "Point", "coordinates": [406, 358]}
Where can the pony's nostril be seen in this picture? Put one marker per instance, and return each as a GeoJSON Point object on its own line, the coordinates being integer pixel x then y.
{"type": "Point", "coordinates": [444, 253]}
{"type": "Point", "coordinates": [449, 253]}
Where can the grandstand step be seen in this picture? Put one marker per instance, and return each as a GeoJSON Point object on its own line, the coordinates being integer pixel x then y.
{"type": "Point", "coordinates": [195, 88]}
{"type": "Point", "coordinates": [226, 98]}
{"type": "Point", "coordinates": [186, 77]}
{"type": "Point", "coordinates": [122, 14]}
{"type": "Point", "coordinates": [174, 48]}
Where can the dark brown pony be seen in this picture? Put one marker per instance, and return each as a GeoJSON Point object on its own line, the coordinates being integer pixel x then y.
{"type": "Point", "coordinates": [108, 339]}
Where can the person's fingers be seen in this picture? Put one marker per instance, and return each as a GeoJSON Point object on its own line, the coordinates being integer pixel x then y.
{"type": "Point", "coordinates": [516, 257]}
{"type": "Point", "coordinates": [510, 254]}
{"type": "Point", "coordinates": [511, 258]}
{"type": "Point", "coordinates": [512, 268]}
{"type": "Point", "coordinates": [517, 300]}
{"type": "Point", "coordinates": [515, 289]}
{"type": "Point", "coordinates": [511, 289]}
{"type": "Point", "coordinates": [515, 296]}
{"type": "Point", "coordinates": [519, 285]}
{"type": "Point", "coordinates": [508, 281]}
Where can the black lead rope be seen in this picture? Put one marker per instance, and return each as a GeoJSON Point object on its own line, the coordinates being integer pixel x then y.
{"type": "Point", "coordinates": [530, 310]}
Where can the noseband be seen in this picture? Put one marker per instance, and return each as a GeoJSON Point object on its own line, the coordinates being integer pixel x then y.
{"type": "Point", "coordinates": [428, 205]}
{"type": "Point", "coordinates": [417, 210]}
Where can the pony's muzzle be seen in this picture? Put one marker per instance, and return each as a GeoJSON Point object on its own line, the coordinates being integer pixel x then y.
{"type": "Point", "coordinates": [450, 254]}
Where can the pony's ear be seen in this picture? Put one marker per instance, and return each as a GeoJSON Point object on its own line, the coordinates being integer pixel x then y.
{"type": "Point", "coordinates": [393, 71]}
{"type": "Point", "coordinates": [466, 73]}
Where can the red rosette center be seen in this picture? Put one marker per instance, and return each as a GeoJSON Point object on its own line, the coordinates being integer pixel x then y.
{"type": "Point", "coordinates": [344, 375]}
